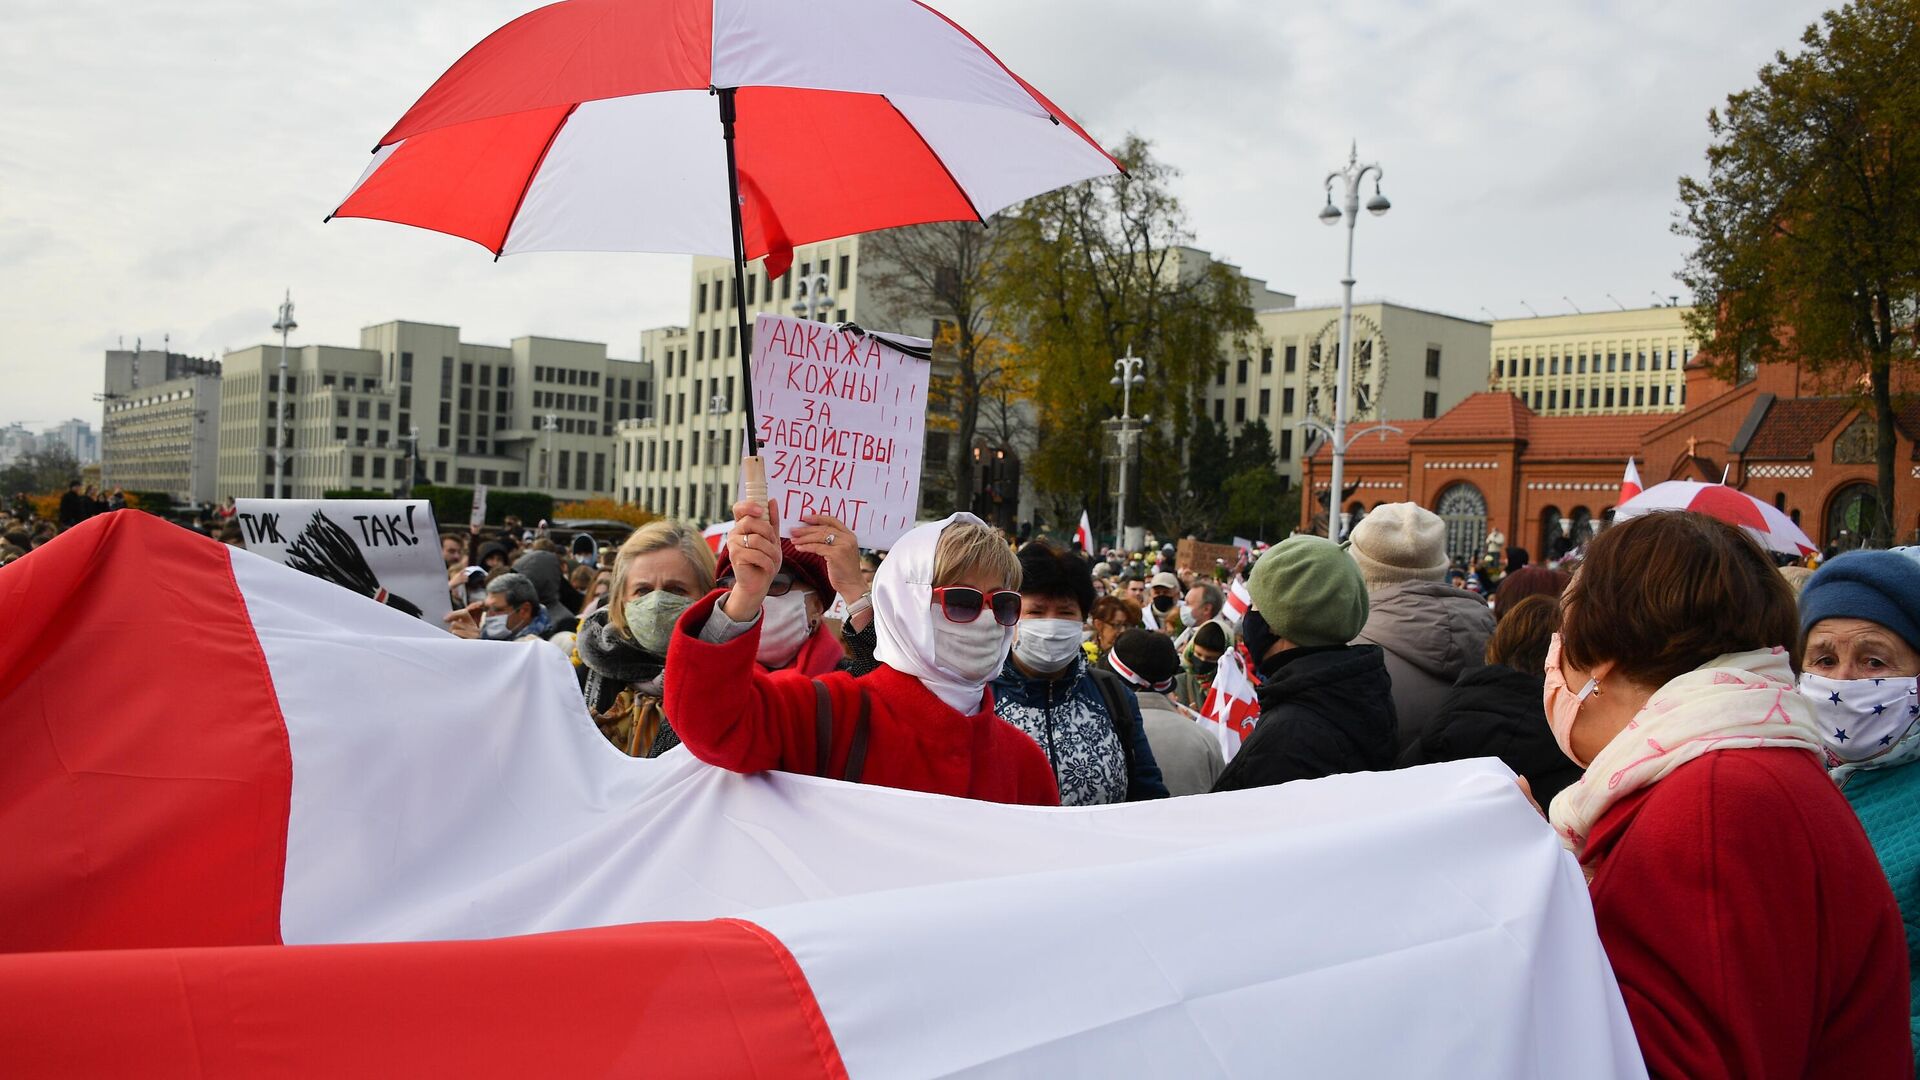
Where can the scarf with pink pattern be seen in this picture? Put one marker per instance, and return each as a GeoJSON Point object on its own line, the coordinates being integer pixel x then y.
{"type": "Point", "coordinates": [1738, 701]}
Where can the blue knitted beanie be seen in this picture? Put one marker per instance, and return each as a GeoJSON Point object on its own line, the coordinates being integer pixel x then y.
{"type": "Point", "coordinates": [1878, 586]}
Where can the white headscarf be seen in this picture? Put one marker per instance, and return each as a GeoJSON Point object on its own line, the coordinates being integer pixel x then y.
{"type": "Point", "coordinates": [903, 615]}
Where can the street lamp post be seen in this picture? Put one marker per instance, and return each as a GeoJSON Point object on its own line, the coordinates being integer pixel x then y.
{"type": "Point", "coordinates": [1354, 173]}
{"type": "Point", "coordinates": [811, 298]}
{"type": "Point", "coordinates": [285, 325]}
{"type": "Point", "coordinates": [1129, 368]}
{"type": "Point", "coordinates": [549, 423]}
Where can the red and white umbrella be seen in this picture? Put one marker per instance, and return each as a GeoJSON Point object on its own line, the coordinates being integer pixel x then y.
{"type": "Point", "coordinates": [1772, 528]}
{"type": "Point", "coordinates": [718, 127]}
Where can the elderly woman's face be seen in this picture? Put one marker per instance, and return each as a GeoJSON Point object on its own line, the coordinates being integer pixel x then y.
{"type": "Point", "coordinates": [1858, 649]}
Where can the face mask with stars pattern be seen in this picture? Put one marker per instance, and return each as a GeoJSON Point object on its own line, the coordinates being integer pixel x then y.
{"type": "Point", "coordinates": [1867, 723]}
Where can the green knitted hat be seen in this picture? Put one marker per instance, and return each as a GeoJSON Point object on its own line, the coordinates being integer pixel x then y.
{"type": "Point", "coordinates": [1309, 591]}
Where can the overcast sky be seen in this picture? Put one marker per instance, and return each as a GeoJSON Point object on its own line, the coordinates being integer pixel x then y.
{"type": "Point", "coordinates": [164, 168]}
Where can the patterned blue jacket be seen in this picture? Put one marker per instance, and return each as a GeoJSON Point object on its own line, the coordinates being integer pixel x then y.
{"type": "Point", "coordinates": [1097, 758]}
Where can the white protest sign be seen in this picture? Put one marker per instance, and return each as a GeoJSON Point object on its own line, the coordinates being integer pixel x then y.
{"type": "Point", "coordinates": [842, 424]}
{"type": "Point", "coordinates": [387, 550]}
{"type": "Point", "coordinates": [479, 515]}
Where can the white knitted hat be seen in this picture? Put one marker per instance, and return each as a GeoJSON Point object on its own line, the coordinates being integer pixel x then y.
{"type": "Point", "coordinates": [1400, 542]}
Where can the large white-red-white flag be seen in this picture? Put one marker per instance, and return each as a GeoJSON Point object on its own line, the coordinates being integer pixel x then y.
{"type": "Point", "coordinates": [206, 757]}
{"type": "Point", "coordinates": [1083, 534]}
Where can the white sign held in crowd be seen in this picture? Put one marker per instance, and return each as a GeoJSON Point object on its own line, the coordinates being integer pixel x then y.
{"type": "Point", "coordinates": [387, 550]}
{"type": "Point", "coordinates": [478, 516]}
{"type": "Point", "coordinates": [842, 424]}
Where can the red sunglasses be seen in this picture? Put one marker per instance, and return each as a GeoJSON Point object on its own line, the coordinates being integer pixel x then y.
{"type": "Point", "coordinates": [963, 605]}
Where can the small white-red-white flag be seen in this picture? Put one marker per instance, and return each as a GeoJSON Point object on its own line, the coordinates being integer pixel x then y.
{"type": "Point", "coordinates": [1083, 536]}
{"type": "Point", "coordinates": [1231, 702]}
{"type": "Point", "coordinates": [1629, 483]}
{"type": "Point", "coordinates": [1238, 601]}
{"type": "Point", "coordinates": [716, 534]}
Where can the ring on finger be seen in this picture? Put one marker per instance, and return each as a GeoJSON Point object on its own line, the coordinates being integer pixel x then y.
{"type": "Point", "coordinates": [829, 539]}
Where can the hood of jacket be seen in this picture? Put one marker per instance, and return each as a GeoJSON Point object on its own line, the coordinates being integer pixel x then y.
{"type": "Point", "coordinates": [1430, 625]}
{"type": "Point", "coordinates": [543, 569]}
{"type": "Point", "coordinates": [1335, 680]}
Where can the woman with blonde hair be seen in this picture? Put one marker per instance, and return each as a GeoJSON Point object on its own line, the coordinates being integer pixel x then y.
{"type": "Point", "coordinates": [944, 605]}
{"type": "Point", "coordinates": [659, 571]}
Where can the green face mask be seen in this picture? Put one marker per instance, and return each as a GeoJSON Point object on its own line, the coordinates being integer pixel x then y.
{"type": "Point", "coordinates": [650, 619]}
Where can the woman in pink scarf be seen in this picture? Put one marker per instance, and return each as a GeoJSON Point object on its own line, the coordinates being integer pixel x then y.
{"type": "Point", "coordinates": [1748, 922]}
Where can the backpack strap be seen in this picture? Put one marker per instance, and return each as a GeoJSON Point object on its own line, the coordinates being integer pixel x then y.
{"type": "Point", "coordinates": [1114, 693]}
{"type": "Point", "coordinates": [857, 752]}
{"type": "Point", "coordinates": [823, 733]}
{"type": "Point", "coordinates": [822, 727]}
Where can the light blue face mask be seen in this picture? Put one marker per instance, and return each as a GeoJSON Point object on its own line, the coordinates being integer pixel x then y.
{"type": "Point", "coordinates": [650, 619]}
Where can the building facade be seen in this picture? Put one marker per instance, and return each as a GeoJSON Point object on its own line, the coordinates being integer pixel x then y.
{"type": "Point", "coordinates": [159, 423]}
{"type": "Point", "coordinates": [1407, 363]}
{"type": "Point", "coordinates": [1597, 363]}
{"type": "Point", "coordinates": [538, 413]}
{"type": "Point", "coordinates": [1545, 483]}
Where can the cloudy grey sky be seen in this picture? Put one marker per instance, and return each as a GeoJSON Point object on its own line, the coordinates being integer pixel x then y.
{"type": "Point", "coordinates": [164, 168]}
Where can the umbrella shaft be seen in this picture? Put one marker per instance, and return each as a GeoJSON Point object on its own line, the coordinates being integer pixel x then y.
{"type": "Point", "coordinates": [739, 264]}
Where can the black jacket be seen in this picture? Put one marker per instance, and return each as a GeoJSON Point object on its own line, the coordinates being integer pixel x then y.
{"type": "Point", "coordinates": [1495, 711]}
{"type": "Point", "coordinates": [1323, 711]}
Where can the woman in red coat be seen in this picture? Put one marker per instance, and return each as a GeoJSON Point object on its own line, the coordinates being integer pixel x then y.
{"type": "Point", "coordinates": [1748, 922]}
{"type": "Point", "coordinates": [944, 606]}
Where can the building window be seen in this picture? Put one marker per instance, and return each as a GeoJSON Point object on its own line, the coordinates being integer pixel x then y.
{"type": "Point", "coordinates": [1430, 405]}
{"type": "Point", "coordinates": [406, 367]}
{"type": "Point", "coordinates": [1240, 370]}
{"type": "Point", "coordinates": [1579, 399]}
{"type": "Point", "coordinates": [386, 410]}
{"type": "Point", "coordinates": [1609, 397]}
{"type": "Point", "coordinates": [1266, 401]}
{"type": "Point", "coordinates": [1266, 360]}
{"type": "Point", "coordinates": [1639, 396]}
{"type": "Point", "coordinates": [1239, 410]}
{"type": "Point", "coordinates": [357, 466]}
{"type": "Point", "coordinates": [340, 433]}
{"type": "Point", "coordinates": [566, 462]}
{"type": "Point", "coordinates": [846, 265]}
{"type": "Point", "coordinates": [1286, 444]}
{"type": "Point", "coordinates": [1220, 374]}
{"type": "Point", "coordinates": [380, 468]}
{"type": "Point", "coordinates": [1612, 358]}
{"type": "Point", "coordinates": [1219, 411]}
{"type": "Point", "coordinates": [599, 471]}
{"type": "Point", "coordinates": [1433, 363]}
{"type": "Point", "coordinates": [1286, 401]}
{"type": "Point", "coordinates": [1292, 358]}
{"type": "Point", "coordinates": [439, 472]}
{"type": "Point", "coordinates": [341, 409]}
{"type": "Point", "coordinates": [1553, 399]}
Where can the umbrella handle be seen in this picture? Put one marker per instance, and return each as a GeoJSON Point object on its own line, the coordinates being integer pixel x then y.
{"type": "Point", "coordinates": [753, 478]}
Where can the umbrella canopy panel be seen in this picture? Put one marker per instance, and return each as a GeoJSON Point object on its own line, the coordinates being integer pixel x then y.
{"type": "Point", "coordinates": [1775, 530]}
{"type": "Point", "coordinates": [588, 126]}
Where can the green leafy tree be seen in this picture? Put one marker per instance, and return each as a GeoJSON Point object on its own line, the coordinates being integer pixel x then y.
{"type": "Point", "coordinates": [1089, 272]}
{"type": "Point", "coordinates": [1806, 230]}
{"type": "Point", "coordinates": [1253, 448]}
{"type": "Point", "coordinates": [1260, 505]}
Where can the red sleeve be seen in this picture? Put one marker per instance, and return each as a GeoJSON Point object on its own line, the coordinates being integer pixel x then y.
{"type": "Point", "coordinates": [1708, 906]}
{"type": "Point", "coordinates": [730, 711]}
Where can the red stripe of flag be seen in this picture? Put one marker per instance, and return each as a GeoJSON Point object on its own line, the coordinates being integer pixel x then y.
{"type": "Point", "coordinates": [118, 832]}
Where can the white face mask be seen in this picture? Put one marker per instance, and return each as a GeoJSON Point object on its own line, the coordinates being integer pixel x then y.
{"type": "Point", "coordinates": [1867, 722]}
{"type": "Point", "coordinates": [1186, 614]}
{"type": "Point", "coordinates": [494, 628]}
{"type": "Point", "coordinates": [971, 652]}
{"type": "Point", "coordinates": [783, 629]}
{"type": "Point", "coordinates": [1047, 645]}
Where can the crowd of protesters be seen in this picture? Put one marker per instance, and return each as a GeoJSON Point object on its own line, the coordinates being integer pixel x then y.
{"type": "Point", "coordinates": [1730, 748]}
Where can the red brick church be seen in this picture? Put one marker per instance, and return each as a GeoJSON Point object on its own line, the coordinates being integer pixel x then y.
{"type": "Point", "coordinates": [1492, 464]}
